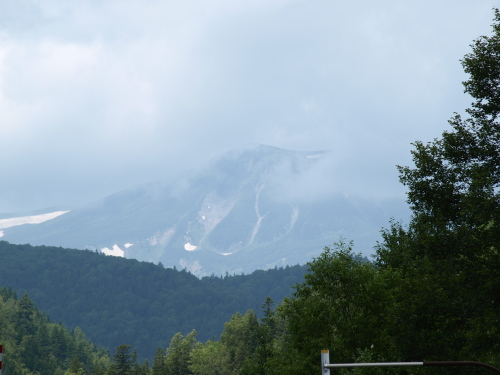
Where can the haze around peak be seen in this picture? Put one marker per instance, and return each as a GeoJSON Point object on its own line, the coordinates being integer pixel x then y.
{"type": "Point", "coordinates": [97, 96]}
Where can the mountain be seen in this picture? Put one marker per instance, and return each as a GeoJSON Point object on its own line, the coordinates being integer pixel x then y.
{"type": "Point", "coordinates": [255, 208]}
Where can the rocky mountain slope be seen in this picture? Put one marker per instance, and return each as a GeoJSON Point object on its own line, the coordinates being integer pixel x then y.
{"type": "Point", "coordinates": [254, 208]}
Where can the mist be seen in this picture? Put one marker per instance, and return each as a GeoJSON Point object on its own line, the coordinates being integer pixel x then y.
{"type": "Point", "coordinates": [96, 97]}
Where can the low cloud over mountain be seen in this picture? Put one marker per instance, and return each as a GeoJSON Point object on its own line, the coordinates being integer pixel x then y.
{"type": "Point", "coordinates": [252, 208]}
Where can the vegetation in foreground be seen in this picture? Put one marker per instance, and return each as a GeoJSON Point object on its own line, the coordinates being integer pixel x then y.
{"type": "Point", "coordinates": [32, 344]}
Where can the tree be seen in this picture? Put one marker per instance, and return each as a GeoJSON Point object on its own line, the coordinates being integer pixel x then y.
{"type": "Point", "coordinates": [258, 363]}
{"type": "Point", "coordinates": [179, 352]}
{"type": "Point", "coordinates": [122, 361]}
{"type": "Point", "coordinates": [75, 367]}
{"type": "Point", "coordinates": [454, 189]}
{"type": "Point", "coordinates": [26, 315]}
{"type": "Point", "coordinates": [34, 345]}
{"type": "Point", "coordinates": [268, 319]}
{"type": "Point", "coordinates": [449, 253]}
{"type": "Point", "coordinates": [241, 337]}
{"type": "Point", "coordinates": [212, 358]}
{"type": "Point", "coordinates": [343, 305]}
{"type": "Point", "coordinates": [135, 366]}
{"type": "Point", "coordinates": [159, 365]}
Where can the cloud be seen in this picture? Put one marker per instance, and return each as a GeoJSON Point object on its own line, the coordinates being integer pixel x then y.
{"type": "Point", "coordinates": [96, 96]}
{"type": "Point", "coordinates": [334, 173]}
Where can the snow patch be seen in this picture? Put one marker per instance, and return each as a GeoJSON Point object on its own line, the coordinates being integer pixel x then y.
{"type": "Point", "coordinates": [35, 219]}
{"type": "Point", "coordinates": [189, 247]}
{"type": "Point", "coordinates": [116, 251]}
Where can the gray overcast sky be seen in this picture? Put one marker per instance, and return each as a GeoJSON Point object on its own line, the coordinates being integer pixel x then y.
{"type": "Point", "coordinates": [100, 95]}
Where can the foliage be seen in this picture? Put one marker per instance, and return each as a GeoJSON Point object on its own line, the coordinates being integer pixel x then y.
{"type": "Point", "coordinates": [121, 361]}
{"type": "Point", "coordinates": [448, 254]}
{"type": "Point", "coordinates": [159, 365]}
{"type": "Point", "coordinates": [116, 300]}
{"type": "Point", "coordinates": [212, 358]}
{"type": "Point", "coordinates": [343, 305]}
{"type": "Point", "coordinates": [179, 352]}
{"type": "Point", "coordinates": [34, 345]}
{"type": "Point", "coordinates": [240, 336]}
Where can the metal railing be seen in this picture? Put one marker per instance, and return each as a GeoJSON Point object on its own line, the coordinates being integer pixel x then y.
{"type": "Point", "coordinates": [326, 365]}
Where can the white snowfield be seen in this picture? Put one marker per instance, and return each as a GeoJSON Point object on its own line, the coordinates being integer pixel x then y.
{"type": "Point", "coordinates": [37, 219]}
{"type": "Point", "coordinates": [116, 251]}
{"type": "Point", "coordinates": [189, 247]}
{"type": "Point", "coordinates": [34, 219]}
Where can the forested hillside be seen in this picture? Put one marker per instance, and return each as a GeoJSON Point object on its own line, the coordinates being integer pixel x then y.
{"type": "Point", "coordinates": [122, 301]}
{"type": "Point", "coordinates": [32, 344]}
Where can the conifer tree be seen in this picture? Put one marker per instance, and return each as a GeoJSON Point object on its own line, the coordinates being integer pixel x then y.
{"type": "Point", "coordinates": [159, 365]}
{"type": "Point", "coordinates": [121, 361]}
{"type": "Point", "coordinates": [179, 352]}
{"type": "Point", "coordinates": [75, 367]}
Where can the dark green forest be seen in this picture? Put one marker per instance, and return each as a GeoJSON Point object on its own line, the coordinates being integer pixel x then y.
{"type": "Point", "coordinates": [116, 300]}
{"type": "Point", "coordinates": [32, 344]}
{"type": "Point", "coordinates": [432, 292]}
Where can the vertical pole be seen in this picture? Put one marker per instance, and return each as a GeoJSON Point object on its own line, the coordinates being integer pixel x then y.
{"type": "Point", "coordinates": [325, 359]}
{"type": "Point", "coordinates": [1, 351]}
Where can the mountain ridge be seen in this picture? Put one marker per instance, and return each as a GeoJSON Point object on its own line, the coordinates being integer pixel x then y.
{"type": "Point", "coordinates": [252, 208]}
{"type": "Point", "coordinates": [124, 301]}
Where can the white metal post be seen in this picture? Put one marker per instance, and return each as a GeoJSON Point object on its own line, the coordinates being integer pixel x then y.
{"type": "Point", "coordinates": [325, 359]}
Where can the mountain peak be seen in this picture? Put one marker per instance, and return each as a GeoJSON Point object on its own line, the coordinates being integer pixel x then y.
{"type": "Point", "coordinates": [251, 208]}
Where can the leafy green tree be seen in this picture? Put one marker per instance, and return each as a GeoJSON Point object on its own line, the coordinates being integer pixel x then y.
{"type": "Point", "coordinates": [343, 305]}
{"type": "Point", "coordinates": [212, 358]}
{"type": "Point", "coordinates": [449, 253]}
{"type": "Point", "coordinates": [454, 188]}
